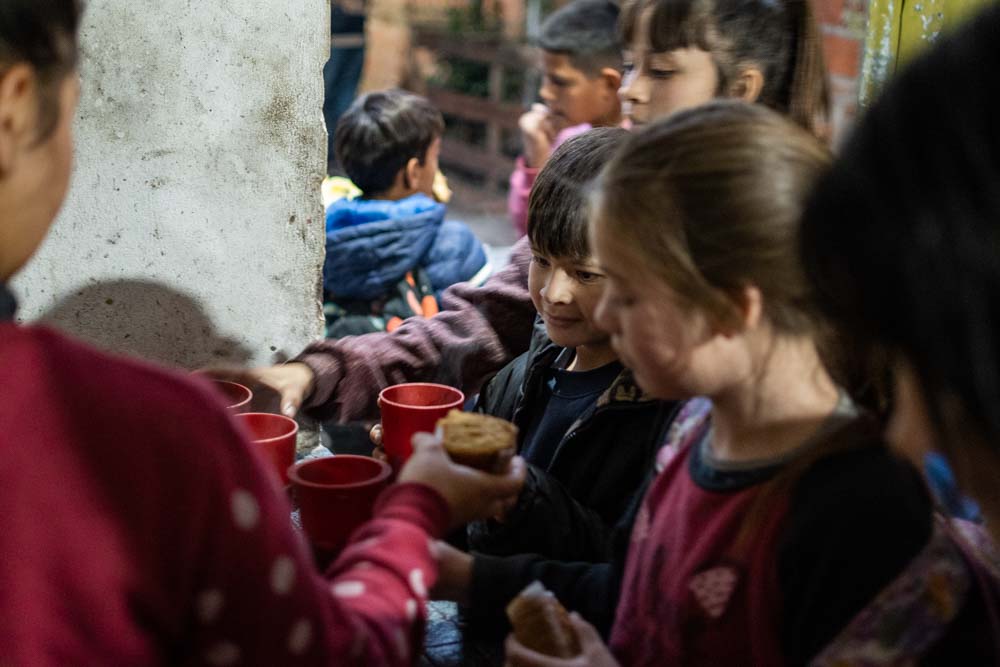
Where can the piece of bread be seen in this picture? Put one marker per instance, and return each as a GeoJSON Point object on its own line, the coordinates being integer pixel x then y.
{"type": "Point", "coordinates": [542, 624]}
{"type": "Point", "coordinates": [478, 441]}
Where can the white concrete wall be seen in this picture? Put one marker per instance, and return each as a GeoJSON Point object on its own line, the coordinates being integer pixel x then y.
{"type": "Point", "coordinates": [193, 232]}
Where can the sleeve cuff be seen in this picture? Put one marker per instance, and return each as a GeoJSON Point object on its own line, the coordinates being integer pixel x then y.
{"type": "Point", "coordinates": [525, 175]}
{"type": "Point", "coordinates": [326, 372]}
{"type": "Point", "coordinates": [418, 504]}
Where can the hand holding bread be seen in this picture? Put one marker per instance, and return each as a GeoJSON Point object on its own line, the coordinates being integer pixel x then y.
{"type": "Point", "coordinates": [470, 494]}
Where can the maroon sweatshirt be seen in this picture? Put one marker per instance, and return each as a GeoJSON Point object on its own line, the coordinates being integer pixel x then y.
{"type": "Point", "coordinates": [477, 332]}
{"type": "Point", "coordinates": [139, 529]}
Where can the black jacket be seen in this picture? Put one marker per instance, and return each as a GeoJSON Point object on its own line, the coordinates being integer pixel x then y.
{"type": "Point", "coordinates": [574, 519]}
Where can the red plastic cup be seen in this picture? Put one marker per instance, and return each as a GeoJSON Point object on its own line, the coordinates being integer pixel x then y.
{"type": "Point", "coordinates": [237, 396]}
{"type": "Point", "coordinates": [273, 437]}
{"type": "Point", "coordinates": [335, 495]}
{"type": "Point", "coordinates": [413, 408]}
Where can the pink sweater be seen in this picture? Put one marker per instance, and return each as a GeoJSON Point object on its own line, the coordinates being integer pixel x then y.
{"type": "Point", "coordinates": [523, 177]}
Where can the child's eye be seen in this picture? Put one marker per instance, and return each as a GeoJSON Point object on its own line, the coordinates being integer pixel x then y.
{"type": "Point", "coordinates": [587, 276]}
{"type": "Point", "coordinates": [540, 261]}
{"type": "Point", "coordinates": [662, 73]}
{"type": "Point", "coordinates": [627, 67]}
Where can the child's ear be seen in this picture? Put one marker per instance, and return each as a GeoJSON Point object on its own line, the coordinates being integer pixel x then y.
{"type": "Point", "coordinates": [18, 112]}
{"type": "Point", "coordinates": [612, 79]}
{"type": "Point", "coordinates": [748, 84]}
{"type": "Point", "coordinates": [411, 173]}
{"type": "Point", "coordinates": [748, 313]}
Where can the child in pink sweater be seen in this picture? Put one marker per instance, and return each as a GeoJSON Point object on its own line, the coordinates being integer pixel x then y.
{"type": "Point", "coordinates": [581, 66]}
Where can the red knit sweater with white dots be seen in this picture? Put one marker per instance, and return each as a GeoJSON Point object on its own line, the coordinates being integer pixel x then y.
{"type": "Point", "coordinates": [138, 529]}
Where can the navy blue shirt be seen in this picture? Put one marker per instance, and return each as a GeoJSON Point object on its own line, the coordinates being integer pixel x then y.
{"type": "Point", "coordinates": [567, 396]}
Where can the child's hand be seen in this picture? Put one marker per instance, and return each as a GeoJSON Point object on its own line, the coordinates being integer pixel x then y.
{"type": "Point", "coordinates": [454, 573]}
{"type": "Point", "coordinates": [293, 381]}
{"type": "Point", "coordinates": [539, 128]}
{"type": "Point", "coordinates": [375, 435]}
{"type": "Point", "coordinates": [470, 494]}
{"type": "Point", "coordinates": [593, 652]}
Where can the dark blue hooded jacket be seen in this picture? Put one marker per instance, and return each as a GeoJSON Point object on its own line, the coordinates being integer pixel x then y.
{"type": "Point", "coordinates": [371, 244]}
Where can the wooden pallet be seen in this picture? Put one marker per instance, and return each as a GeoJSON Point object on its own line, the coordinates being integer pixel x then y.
{"type": "Point", "coordinates": [486, 160]}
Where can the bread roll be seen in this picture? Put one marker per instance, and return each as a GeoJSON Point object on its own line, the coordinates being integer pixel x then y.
{"type": "Point", "coordinates": [542, 624]}
{"type": "Point", "coordinates": [478, 441]}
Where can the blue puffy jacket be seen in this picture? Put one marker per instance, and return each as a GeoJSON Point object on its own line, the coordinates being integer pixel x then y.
{"type": "Point", "coordinates": [371, 244]}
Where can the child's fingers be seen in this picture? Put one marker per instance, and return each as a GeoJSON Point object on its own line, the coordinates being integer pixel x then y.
{"type": "Point", "coordinates": [291, 401]}
{"type": "Point", "coordinates": [585, 632]}
{"type": "Point", "coordinates": [375, 435]}
{"type": "Point", "coordinates": [425, 442]}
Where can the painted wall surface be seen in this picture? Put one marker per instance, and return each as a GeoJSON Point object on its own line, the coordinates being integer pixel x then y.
{"type": "Point", "coordinates": [899, 29]}
{"type": "Point", "coordinates": [193, 232]}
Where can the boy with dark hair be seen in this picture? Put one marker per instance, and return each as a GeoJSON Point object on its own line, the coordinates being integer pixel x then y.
{"type": "Point", "coordinates": [390, 252]}
{"type": "Point", "coordinates": [581, 66]}
{"type": "Point", "coordinates": [587, 432]}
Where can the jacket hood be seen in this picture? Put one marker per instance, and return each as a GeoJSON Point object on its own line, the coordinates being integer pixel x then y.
{"type": "Point", "coordinates": [371, 244]}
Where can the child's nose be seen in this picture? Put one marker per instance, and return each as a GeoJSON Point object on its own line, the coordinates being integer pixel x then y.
{"type": "Point", "coordinates": [633, 88]}
{"type": "Point", "coordinates": [546, 93]}
{"type": "Point", "coordinates": [602, 314]}
{"type": "Point", "coordinates": [558, 289]}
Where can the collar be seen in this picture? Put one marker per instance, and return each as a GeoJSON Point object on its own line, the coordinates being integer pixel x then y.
{"type": "Point", "coordinates": [8, 304]}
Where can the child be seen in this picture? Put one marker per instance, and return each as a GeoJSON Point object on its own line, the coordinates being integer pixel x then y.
{"type": "Point", "coordinates": [480, 330]}
{"type": "Point", "coordinates": [138, 527]}
{"type": "Point", "coordinates": [900, 239]}
{"type": "Point", "coordinates": [581, 62]}
{"type": "Point", "coordinates": [587, 431]}
{"type": "Point", "coordinates": [390, 252]}
{"type": "Point", "coordinates": [779, 513]}
{"type": "Point", "coordinates": [682, 53]}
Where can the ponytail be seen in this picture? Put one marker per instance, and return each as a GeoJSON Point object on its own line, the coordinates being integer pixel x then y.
{"type": "Point", "coordinates": [809, 90]}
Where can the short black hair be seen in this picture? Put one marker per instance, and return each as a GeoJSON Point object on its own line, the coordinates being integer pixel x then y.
{"type": "Point", "coordinates": [41, 33]}
{"type": "Point", "coordinates": [559, 203]}
{"type": "Point", "coordinates": [901, 237]}
{"type": "Point", "coordinates": [380, 133]}
{"type": "Point", "coordinates": [587, 32]}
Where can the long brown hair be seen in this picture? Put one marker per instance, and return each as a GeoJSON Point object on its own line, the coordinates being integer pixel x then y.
{"type": "Point", "coordinates": [779, 37]}
{"type": "Point", "coordinates": [709, 201]}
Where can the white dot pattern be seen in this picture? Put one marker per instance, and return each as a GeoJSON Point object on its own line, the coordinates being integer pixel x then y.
{"type": "Point", "coordinates": [208, 605]}
{"type": "Point", "coordinates": [300, 637]}
{"type": "Point", "coordinates": [349, 589]}
{"type": "Point", "coordinates": [222, 654]}
{"type": "Point", "coordinates": [417, 583]}
{"type": "Point", "coordinates": [411, 610]}
{"type": "Point", "coordinates": [283, 575]}
{"type": "Point", "coordinates": [246, 511]}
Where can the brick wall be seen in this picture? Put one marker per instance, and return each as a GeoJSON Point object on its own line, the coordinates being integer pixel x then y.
{"type": "Point", "coordinates": [842, 25]}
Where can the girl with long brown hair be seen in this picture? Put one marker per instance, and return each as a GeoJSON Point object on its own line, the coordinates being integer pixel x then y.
{"type": "Point", "coordinates": [778, 514]}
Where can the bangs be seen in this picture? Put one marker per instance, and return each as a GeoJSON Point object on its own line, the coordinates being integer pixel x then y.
{"type": "Point", "coordinates": [558, 227]}
{"type": "Point", "coordinates": [674, 24]}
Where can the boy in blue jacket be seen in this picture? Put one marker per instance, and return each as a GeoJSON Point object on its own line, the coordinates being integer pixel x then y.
{"type": "Point", "coordinates": [390, 251]}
